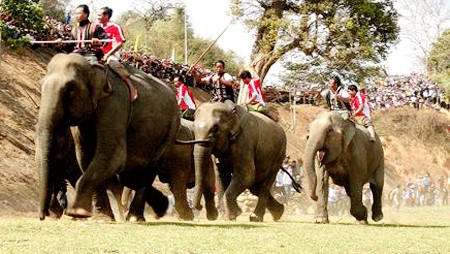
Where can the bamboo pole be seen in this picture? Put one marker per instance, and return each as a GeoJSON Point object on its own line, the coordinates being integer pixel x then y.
{"type": "Point", "coordinates": [69, 41]}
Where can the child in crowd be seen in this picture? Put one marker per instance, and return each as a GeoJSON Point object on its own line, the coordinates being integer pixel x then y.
{"type": "Point", "coordinates": [359, 112]}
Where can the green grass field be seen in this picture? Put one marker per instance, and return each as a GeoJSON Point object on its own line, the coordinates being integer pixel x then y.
{"type": "Point", "coordinates": [412, 230]}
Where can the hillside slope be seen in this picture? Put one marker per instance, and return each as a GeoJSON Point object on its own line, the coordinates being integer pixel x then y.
{"type": "Point", "coordinates": [414, 141]}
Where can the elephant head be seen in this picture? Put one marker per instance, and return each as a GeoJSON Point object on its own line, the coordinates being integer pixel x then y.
{"type": "Point", "coordinates": [70, 91]}
{"type": "Point", "coordinates": [329, 138]}
{"type": "Point", "coordinates": [219, 124]}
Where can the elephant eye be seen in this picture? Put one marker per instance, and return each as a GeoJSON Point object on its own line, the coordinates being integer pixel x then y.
{"type": "Point", "coordinates": [215, 128]}
{"type": "Point", "coordinates": [70, 89]}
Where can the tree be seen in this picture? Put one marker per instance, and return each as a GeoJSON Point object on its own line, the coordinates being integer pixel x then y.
{"type": "Point", "coordinates": [439, 61]}
{"type": "Point", "coordinates": [54, 8]}
{"type": "Point", "coordinates": [166, 33]}
{"type": "Point", "coordinates": [341, 35]}
{"type": "Point", "coordinates": [424, 22]}
{"type": "Point", "coordinates": [18, 16]}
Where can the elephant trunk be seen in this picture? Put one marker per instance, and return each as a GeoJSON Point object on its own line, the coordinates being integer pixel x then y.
{"type": "Point", "coordinates": [202, 160]}
{"type": "Point", "coordinates": [313, 145]}
{"type": "Point", "coordinates": [43, 158]}
{"type": "Point", "coordinates": [50, 115]}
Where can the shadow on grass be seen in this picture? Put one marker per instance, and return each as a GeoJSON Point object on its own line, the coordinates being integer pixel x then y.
{"type": "Point", "coordinates": [199, 224]}
{"type": "Point", "coordinates": [387, 225]}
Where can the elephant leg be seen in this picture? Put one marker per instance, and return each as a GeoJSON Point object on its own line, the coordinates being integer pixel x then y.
{"type": "Point", "coordinates": [377, 192]}
{"type": "Point", "coordinates": [181, 204]}
{"type": "Point", "coordinates": [275, 208]}
{"type": "Point", "coordinates": [101, 204]}
{"type": "Point", "coordinates": [137, 206]}
{"type": "Point", "coordinates": [236, 187]}
{"type": "Point", "coordinates": [157, 201]}
{"type": "Point", "coordinates": [357, 209]}
{"type": "Point", "coordinates": [224, 181]}
{"type": "Point", "coordinates": [117, 190]}
{"type": "Point", "coordinates": [209, 194]}
{"type": "Point", "coordinates": [321, 211]}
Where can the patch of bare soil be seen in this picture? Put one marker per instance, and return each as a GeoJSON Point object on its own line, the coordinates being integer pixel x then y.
{"type": "Point", "coordinates": [414, 141]}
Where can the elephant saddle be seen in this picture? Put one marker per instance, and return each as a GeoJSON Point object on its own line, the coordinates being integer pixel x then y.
{"type": "Point", "coordinates": [120, 70]}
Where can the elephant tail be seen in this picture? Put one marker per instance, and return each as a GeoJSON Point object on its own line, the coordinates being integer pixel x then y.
{"type": "Point", "coordinates": [297, 187]}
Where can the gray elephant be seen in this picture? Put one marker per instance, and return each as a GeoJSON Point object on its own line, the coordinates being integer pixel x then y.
{"type": "Point", "coordinates": [113, 135]}
{"type": "Point", "coordinates": [341, 150]}
{"type": "Point", "coordinates": [250, 148]}
{"type": "Point", "coordinates": [176, 167]}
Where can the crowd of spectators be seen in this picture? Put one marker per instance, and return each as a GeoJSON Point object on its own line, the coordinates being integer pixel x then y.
{"type": "Point", "coordinates": [414, 90]}
{"type": "Point", "coordinates": [423, 191]}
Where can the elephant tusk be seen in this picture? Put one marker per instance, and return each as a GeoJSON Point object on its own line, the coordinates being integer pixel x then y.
{"type": "Point", "coordinates": [189, 142]}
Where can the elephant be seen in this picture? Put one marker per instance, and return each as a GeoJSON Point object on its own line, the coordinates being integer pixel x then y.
{"type": "Point", "coordinates": [113, 135]}
{"type": "Point", "coordinates": [176, 167]}
{"type": "Point", "coordinates": [250, 148]}
{"type": "Point", "coordinates": [339, 149]}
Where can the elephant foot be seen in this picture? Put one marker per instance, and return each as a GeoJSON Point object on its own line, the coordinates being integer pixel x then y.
{"type": "Point", "coordinates": [134, 218]}
{"type": "Point", "coordinates": [102, 218]}
{"type": "Point", "coordinates": [255, 218]}
{"type": "Point", "coordinates": [361, 222]}
{"type": "Point", "coordinates": [79, 213]}
{"type": "Point", "coordinates": [212, 214]}
{"type": "Point", "coordinates": [377, 217]}
{"type": "Point", "coordinates": [187, 215]}
{"type": "Point", "coordinates": [56, 212]}
{"type": "Point", "coordinates": [321, 220]}
{"type": "Point", "coordinates": [276, 214]}
{"type": "Point", "coordinates": [233, 215]}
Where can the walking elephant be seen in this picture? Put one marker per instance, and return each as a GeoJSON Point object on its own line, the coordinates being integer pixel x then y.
{"type": "Point", "coordinates": [176, 167]}
{"type": "Point", "coordinates": [250, 148]}
{"type": "Point", "coordinates": [112, 135]}
{"type": "Point", "coordinates": [341, 150]}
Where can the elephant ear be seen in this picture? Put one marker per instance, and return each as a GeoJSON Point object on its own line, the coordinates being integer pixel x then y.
{"type": "Point", "coordinates": [344, 127]}
{"type": "Point", "coordinates": [100, 86]}
{"type": "Point", "coordinates": [235, 128]}
{"type": "Point", "coordinates": [348, 133]}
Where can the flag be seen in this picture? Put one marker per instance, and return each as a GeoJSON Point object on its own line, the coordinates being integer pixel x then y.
{"type": "Point", "coordinates": [172, 57]}
{"type": "Point", "coordinates": [136, 44]}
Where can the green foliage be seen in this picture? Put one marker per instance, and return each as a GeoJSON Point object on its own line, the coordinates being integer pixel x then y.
{"type": "Point", "coordinates": [27, 13]}
{"type": "Point", "coordinates": [19, 15]}
{"type": "Point", "coordinates": [439, 61]}
{"type": "Point", "coordinates": [54, 8]}
{"type": "Point", "coordinates": [345, 36]}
